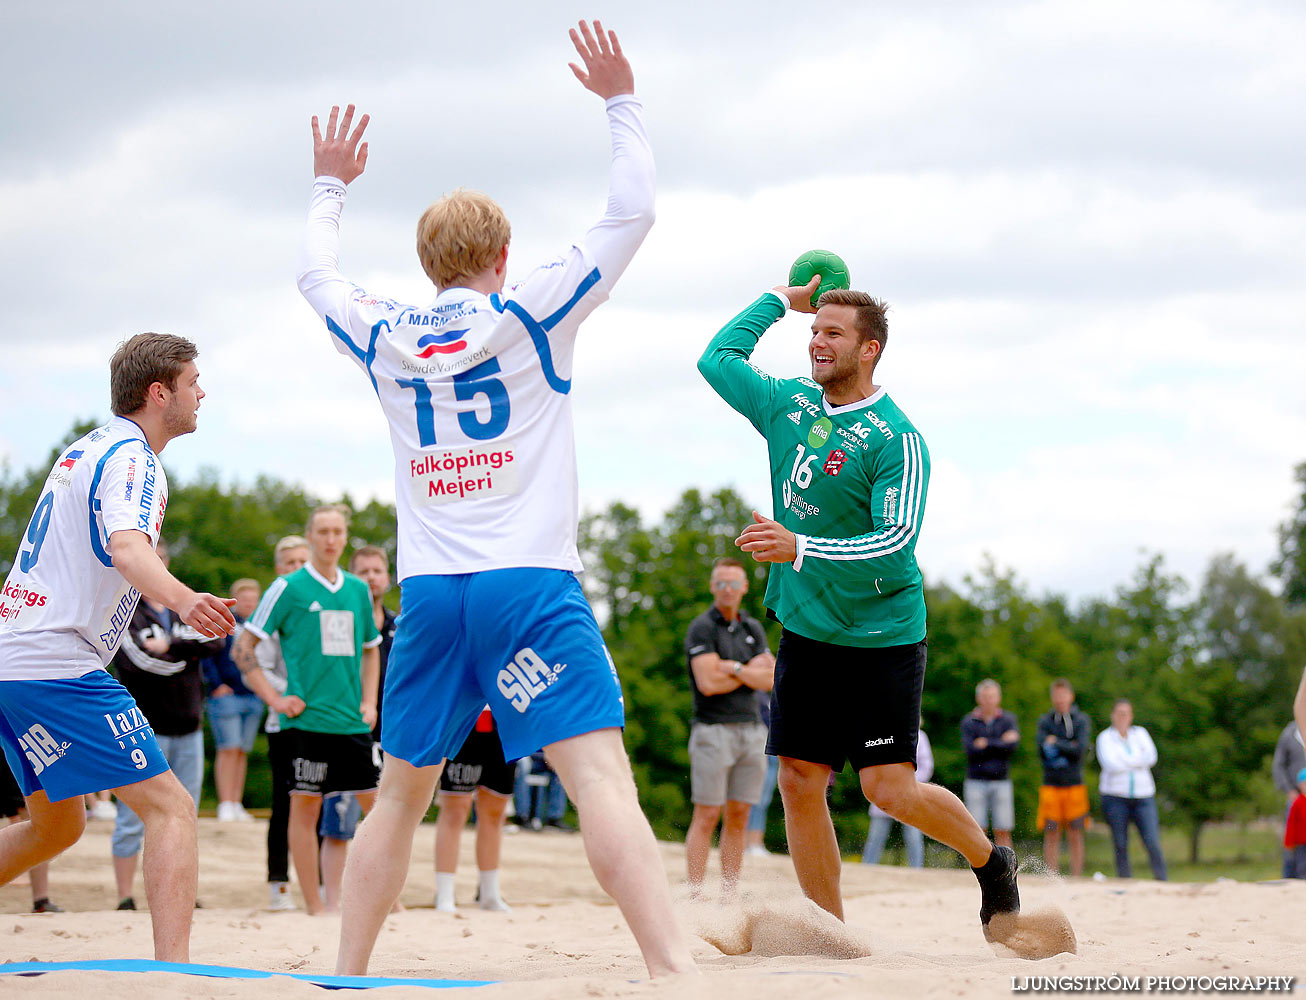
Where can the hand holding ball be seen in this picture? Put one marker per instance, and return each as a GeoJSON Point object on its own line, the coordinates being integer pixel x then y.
{"type": "Point", "coordinates": [831, 268]}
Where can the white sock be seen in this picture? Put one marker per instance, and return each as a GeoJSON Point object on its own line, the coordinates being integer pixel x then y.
{"type": "Point", "coordinates": [489, 891]}
{"type": "Point", "coordinates": [444, 891]}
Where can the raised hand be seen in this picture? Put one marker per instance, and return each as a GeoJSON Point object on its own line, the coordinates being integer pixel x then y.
{"type": "Point", "coordinates": [800, 296]}
{"type": "Point", "coordinates": [606, 72]}
{"type": "Point", "coordinates": [338, 153]}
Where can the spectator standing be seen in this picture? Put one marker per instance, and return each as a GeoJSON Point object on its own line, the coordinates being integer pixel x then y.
{"type": "Point", "coordinates": [371, 565]}
{"type": "Point", "coordinates": [1126, 754]}
{"type": "Point", "coordinates": [1294, 833]}
{"type": "Point", "coordinates": [234, 712]}
{"type": "Point", "coordinates": [1289, 759]}
{"type": "Point", "coordinates": [728, 662]}
{"type": "Point", "coordinates": [756, 831]}
{"type": "Point", "coordinates": [289, 554]}
{"type": "Point", "coordinates": [1063, 740]}
{"type": "Point", "coordinates": [539, 800]}
{"type": "Point", "coordinates": [329, 641]}
{"type": "Point", "coordinates": [480, 775]}
{"type": "Point", "coordinates": [159, 665]}
{"type": "Point", "coordinates": [989, 736]}
{"type": "Point", "coordinates": [882, 823]}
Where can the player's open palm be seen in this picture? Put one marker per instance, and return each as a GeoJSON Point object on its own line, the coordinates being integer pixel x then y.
{"type": "Point", "coordinates": [337, 152]}
{"type": "Point", "coordinates": [606, 72]}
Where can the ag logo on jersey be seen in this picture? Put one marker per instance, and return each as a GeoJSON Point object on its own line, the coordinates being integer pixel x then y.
{"type": "Point", "coordinates": [445, 342]}
{"type": "Point", "coordinates": [820, 433]}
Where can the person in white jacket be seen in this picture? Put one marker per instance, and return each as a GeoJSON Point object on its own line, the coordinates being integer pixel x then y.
{"type": "Point", "coordinates": [1126, 754]}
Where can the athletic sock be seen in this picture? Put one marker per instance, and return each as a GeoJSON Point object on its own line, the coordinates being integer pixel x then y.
{"type": "Point", "coordinates": [444, 891]}
{"type": "Point", "coordinates": [487, 892]}
{"type": "Point", "coordinates": [997, 879]}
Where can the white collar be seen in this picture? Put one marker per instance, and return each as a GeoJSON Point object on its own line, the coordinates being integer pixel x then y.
{"type": "Point", "coordinates": [333, 587]}
{"type": "Point", "coordinates": [875, 397]}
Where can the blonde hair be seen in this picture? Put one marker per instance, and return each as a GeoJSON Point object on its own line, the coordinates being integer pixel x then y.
{"type": "Point", "coordinates": [288, 543]}
{"type": "Point", "coordinates": [245, 583]}
{"type": "Point", "coordinates": [460, 236]}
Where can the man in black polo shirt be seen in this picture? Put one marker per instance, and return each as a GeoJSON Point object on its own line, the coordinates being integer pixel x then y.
{"type": "Point", "coordinates": [728, 662]}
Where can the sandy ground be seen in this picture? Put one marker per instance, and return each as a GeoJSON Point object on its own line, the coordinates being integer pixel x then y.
{"type": "Point", "coordinates": [917, 931]}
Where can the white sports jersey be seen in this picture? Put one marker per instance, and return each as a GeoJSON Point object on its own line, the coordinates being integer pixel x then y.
{"type": "Point", "coordinates": [65, 606]}
{"type": "Point", "coordinates": [476, 387]}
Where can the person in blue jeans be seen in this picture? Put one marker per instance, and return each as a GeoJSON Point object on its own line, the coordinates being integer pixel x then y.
{"type": "Point", "coordinates": [540, 802]}
{"type": "Point", "coordinates": [234, 713]}
{"type": "Point", "coordinates": [882, 823]}
{"type": "Point", "coordinates": [1127, 754]}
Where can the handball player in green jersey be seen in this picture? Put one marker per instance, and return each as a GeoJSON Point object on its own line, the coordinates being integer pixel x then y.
{"type": "Point", "coordinates": [849, 474]}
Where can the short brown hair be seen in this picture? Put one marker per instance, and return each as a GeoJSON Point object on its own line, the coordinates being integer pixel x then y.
{"type": "Point", "coordinates": [365, 551]}
{"type": "Point", "coordinates": [141, 361]}
{"type": "Point", "coordinates": [1062, 682]}
{"type": "Point", "coordinates": [870, 315]}
{"type": "Point", "coordinates": [328, 508]}
{"type": "Point", "coordinates": [460, 236]}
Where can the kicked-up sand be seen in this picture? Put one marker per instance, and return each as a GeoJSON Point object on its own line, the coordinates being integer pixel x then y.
{"type": "Point", "coordinates": [909, 933]}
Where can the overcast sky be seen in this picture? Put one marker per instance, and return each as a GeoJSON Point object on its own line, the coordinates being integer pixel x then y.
{"type": "Point", "coordinates": [1088, 220]}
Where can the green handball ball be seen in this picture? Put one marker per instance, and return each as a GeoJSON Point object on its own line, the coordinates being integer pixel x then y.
{"type": "Point", "coordinates": [830, 266]}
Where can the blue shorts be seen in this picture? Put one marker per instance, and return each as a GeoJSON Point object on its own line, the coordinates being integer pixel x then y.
{"type": "Point", "coordinates": [73, 735]}
{"type": "Point", "coordinates": [234, 719]}
{"type": "Point", "coordinates": [523, 641]}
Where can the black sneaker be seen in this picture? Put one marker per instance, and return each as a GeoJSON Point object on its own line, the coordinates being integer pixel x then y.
{"type": "Point", "coordinates": [127, 904]}
{"type": "Point", "coordinates": [44, 905]}
{"type": "Point", "coordinates": [997, 879]}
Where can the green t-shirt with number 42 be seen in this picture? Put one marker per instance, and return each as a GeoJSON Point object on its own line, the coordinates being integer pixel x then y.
{"type": "Point", "coordinates": [850, 481]}
{"type": "Point", "coordinates": [323, 628]}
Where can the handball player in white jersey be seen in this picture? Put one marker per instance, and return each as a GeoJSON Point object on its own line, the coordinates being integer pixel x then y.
{"type": "Point", "coordinates": [476, 388]}
{"type": "Point", "coordinates": [68, 728]}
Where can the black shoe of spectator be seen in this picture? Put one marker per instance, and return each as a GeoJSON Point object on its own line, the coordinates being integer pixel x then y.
{"type": "Point", "coordinates": [560, 825]}
{"type": "Point", "coordinates": [44, 905]}
{"type": "Point", "coordinates": [127, 904]}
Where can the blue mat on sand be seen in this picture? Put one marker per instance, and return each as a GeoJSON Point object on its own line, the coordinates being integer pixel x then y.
{"type": "Point", "coordinates": [227, 972]}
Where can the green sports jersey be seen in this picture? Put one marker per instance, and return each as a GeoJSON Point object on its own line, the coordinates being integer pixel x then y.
{"type": "Point", "coordinates": [323, 630]}
{"type": "Point", "coordinates": [849, 481]}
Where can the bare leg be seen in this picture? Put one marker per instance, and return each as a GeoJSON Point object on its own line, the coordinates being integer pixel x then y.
{"type": "Point", "coordinates": [1052, 846]}
{"type": "Point", "coordinates": [229, 767]}
{"type": "Point", "coordinates": [39, 876]}
{"type": "Point", "coordinates": [50, 829]}
{"type": "Point", "coordinates": [374, 875]}
{"type": "Point", "coordinates": [1075, 838]}
{"type": "Point", "coordinates": [932, 809]}
{"type": "Point", "coordinates": [301, 831]}
{"type": "Point", "coordinates": [333, 853]}
{"type": "Point", "coordinates": [732, 844]}
{"type": "Point", "coordinates": [698, 842]}
{"type": "Point", "coordinates": [454, 810]}
{"type": "Point", "coordinates": [810, 832]}
{"type": "Point", "coordinates": [124, 874]}
{"type": "Point", "coordinates": [490, 812]}
{"type": "Point", "coordinates": [1002, 838]}
{"type": "Point", "coordinates": [170, 859]}
{"type": "Point", "coordinates": [620, 845]}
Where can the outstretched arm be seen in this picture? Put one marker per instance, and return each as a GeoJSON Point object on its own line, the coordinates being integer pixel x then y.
{"type": "Point", "coordinates": [607, 72]}
{"type": "Point", "coordinates": [339, 154]}
{"type": "Point", "coordinates": [134, 557]}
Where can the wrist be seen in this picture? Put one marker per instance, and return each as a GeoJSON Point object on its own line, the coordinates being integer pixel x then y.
{"type": "Point", "coordinates": [737, 669]}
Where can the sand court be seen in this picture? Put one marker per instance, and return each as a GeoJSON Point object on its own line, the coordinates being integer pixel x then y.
{"type": "Point", "coordinates": [909, 932]}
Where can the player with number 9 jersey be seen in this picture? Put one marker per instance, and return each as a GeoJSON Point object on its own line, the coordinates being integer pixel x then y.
{"type": "Point", "coordinates": [65, 607]}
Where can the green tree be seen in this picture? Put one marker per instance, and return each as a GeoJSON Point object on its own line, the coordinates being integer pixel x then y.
{"type": "Point", "coordinates": [1290, 567]}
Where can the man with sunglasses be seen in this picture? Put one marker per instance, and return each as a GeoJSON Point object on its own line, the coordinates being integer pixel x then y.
{"type": "Point", "coordinates": [728, 663]}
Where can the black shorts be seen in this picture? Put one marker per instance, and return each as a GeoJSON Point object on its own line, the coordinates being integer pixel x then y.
{"type": "Point", "coordinates": [832, 703]}
{"type": "Point", "coordinates": [11, 796]}
{"type": "Point", "coordinates": [479, 764]}
{"type": "Point", "coordinates": [321, 763]}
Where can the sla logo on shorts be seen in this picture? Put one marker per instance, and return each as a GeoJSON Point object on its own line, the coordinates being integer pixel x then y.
{"type": "Point", "coordinates": [526, 677]}
{"type": "Point", "coordinates": [41, 748]}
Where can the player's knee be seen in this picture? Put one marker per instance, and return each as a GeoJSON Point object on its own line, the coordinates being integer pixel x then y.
{"type": "Point", "coordinates": [60, 829]}
{"type": "Point", "coordinates": [801, 780]}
